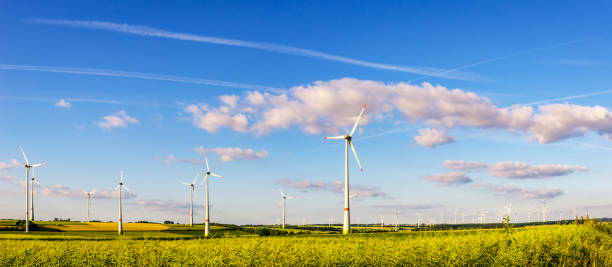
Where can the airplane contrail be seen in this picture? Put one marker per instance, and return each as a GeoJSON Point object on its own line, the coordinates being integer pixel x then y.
{"type": "Point", "coordinates": [137, 75]}
{"type": "Point", "coordinates": [284, 49]}
{"type": "Point", "coordinates": [76, 100]}
{"type": "Point", "coordinates": [493, 59]}
{"type": "Point", "coordinates": [568, 98]}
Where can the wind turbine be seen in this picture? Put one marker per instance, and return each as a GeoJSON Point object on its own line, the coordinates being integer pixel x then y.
{"type": "Point", "coordinates": [284, 198]}
{"type": "Point", "coordinates": [120, 187]}
{"type": "Point", "coordinates": [508, 211]}
{"type": "Point", "coordinates": [191, 189]}
{"type": "Point", "coordinates": [208, 173]}
{"type": "Point", "coordinates": [346, 229]}
{"type": "Point", "coordinates": [34, 181]}
{"type": "Point", "coordinates": [89, 195]}
{"type": "Point", "coordinates": [396, 219]}
{"type": "Point", "coordinates": [28, 166]}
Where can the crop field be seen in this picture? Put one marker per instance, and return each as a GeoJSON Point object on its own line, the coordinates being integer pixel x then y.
{"type": "Point", "coordinates": [541, 245]}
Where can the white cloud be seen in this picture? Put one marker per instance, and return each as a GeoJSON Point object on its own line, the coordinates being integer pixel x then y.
{"type": "Point", "coordinates": [561, 121]}
{"type": "Point", "coordinates": [335, 187]}
{"type": "Point", "coordinates": [409, 206]}
{"type": "Point", "coordinates": [118, 119]}
{"type": "Point", "coordinates": [449, 178]}
{"type": "Point", "coordinates": [431, 138]}
{"type": "Point", "coordinates": [63, 103]}
{"type": "Point", "coordinates": [163, 205]}
{"type": "Point", "coordinates": [171, 158]}
{"type": "Point", "coordinates": [64, 191]}
{"type": "Point", "coordinates": [13, 163]}
{"type": "Point", "coordinates": [8, 177]}
{"type": "Point", "coordinates": [521, 170]}
{"type": "Point", "coordinates": [523, 193]}
{"type": "Point", "coordinates": [232, 153]}
{"type": "Point", "coordinates": [331, 107]}
{"type": "Point", "coordinates": [213, 119]}
{"type": "Point", "coordinates": [461, 165]}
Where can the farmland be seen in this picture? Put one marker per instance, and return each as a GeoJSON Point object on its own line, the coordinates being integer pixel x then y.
{"type": "Point", "coordinates": [176, 245]}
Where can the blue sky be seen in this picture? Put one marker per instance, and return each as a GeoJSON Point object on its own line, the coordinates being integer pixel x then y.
{"type": "Point", "coordinates": [258, 85]}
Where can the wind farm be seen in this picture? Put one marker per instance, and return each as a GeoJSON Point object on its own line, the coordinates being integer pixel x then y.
{"type": "Point", "coordinates": [226, 133]}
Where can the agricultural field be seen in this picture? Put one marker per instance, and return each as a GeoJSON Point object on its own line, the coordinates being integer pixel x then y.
{"type": "Point", "coordinates": [233, 245]}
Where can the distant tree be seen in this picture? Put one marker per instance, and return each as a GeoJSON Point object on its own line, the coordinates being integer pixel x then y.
{"type": "Point", "coordinates": [168, 222]}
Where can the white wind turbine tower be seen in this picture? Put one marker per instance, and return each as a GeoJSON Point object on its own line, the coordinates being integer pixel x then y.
{"type": "Point", "coordinates": [456, 210]}
{"type": "Point", "coordinates": [284, 198]}
{"type": "Point", "coordinates": [544, 211]}
{"type": "Point", "coordinates": [396, 219]}
{"type": "Point", "coordinates": [28, 166]}
{"type": "Point", "coordinates": [34, 181]}
{"type": "Point", "coordinates": [207, 220]}
{"type": "Point", "coordinates": [191, 189]}
{"type": "Point", "coordinates": [120, 186]}
{"type": "Point", "coordinates": [508, 210]}
{"type": "Point", "coordinates": [346, 229]}
{"type": "Point", "coordinates": [89, 195]}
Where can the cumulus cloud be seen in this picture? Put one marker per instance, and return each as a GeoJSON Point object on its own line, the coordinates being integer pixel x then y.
{"type": "Point", "coordinates": [523, 193]}
{"type": "Point", "coordinates": [64, 191]}
{"type": "Point", "coordinates": [335, 187]}
{"type": "Point", "coordinates": [171, 158]}
{"type": "Point", "coordinates": [232, 153]}
{"type": "Point", "coordinates": [13, 163]}
{"type": "Point", "coordinates": [118, 119]}
{"type": "Point", "coordinates": [409, 206]}
{"type": "Point", "coordinates": [561, 121]}
{"type": "Point", "coordinates": [521, 170]}
{"type": "Point", "coordinates": [461, 165]}
{"type": "Point", "coordinates": [324, 107]}
{"type": "Point", "coordinates": [163, 205]}
{"type": "Point", "coordinates": [449, 178]}
{"type": "Point", "coordinates": [7, 177]}
{"type": "Point", "coordinates": [63, 103]}
{"type": "Point", "coordinates": [431, 138]}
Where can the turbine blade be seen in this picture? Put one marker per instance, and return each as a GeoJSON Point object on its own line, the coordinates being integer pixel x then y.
{"type": "Point", "coordinates": [196, 178]}
{"type": "Point", "coordinates": [205, 178]}
{"type": "Point", "coordinates": [24, 156]}
{"type": "Point", "coordinates": [126, 188]}
{"type": "Point", "coordinates": [216, 175]}
{"type": "Point", "coordinates": [122, 175]}
{"type": "Point", "coordinates": [186, 183]}
{"type": "Point", "coordinates": [357, 121]}
{"type": "Point", "coordinates": [206, 160]}
{"type": "Point", "coordinates": [290, 197]}
{"type": "Point", "coordinates": [355, 153]}
{"type": "Point", "coordinates": [39, 164]}
{"type": "Point", "coordinates": [281, 191]}
{"type": "Point", "coordinates": [334, 137]}
{"type": "Point", "coordinates": [85, 192]}
{"type": "Point", "coordinates": [93, 191]}
{"type": "Point", "coordinates": [36, 182]}
{"type": "Point", "coordinates": [117, 187]}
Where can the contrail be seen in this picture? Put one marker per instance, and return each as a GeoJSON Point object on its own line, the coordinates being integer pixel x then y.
{"type": "Point", "coordinates": [284, 49]}
{"type": "Point", "coordinates": [76, 100]}
{"type": "Point", "coordinates": [137, 75]}
{"type": "Point", "coordinates": [493, 59]}
{"type": "Point", "coordinates": [568, 98]}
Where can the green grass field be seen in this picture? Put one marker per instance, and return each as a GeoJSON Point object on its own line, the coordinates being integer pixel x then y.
{"type": "Point", "coordinates": [587, 245]}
